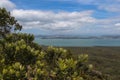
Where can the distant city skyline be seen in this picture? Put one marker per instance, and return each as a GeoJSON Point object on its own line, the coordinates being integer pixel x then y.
{"type": "Point", "coordinates": [66, 17]}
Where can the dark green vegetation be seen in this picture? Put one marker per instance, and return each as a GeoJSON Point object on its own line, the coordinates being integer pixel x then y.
{"type": "Point", "coordinates": [22, 59]}
{"type": "Point", "coordinates": [7, 23]}
{"type": "Point", "coordinates": [104, 59]}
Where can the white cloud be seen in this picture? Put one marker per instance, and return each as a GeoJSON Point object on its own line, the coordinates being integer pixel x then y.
{"type": "Point", "coordinates": [52, 20]}
{"type": "Point", "coordinates": [7, 4]}
{"type": "Point", "coordinates": [117, 24]}
{"type": "Point", "coordinates": [75, 22]}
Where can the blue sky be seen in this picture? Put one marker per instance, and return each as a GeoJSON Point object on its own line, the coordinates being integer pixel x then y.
{"type": "Point", "coordinates": [62, 5]}
{"type": "Point", "coordinates": [54, 5]}
{"type": "Point", "coordinates": [66, 17]}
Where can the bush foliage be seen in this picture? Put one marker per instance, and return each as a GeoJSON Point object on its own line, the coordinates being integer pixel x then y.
{"type": "Point", "coordinates": [22, 59]}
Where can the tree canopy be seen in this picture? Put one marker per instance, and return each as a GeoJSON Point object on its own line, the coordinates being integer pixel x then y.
{"type": "Point", "coordinates": [8, 23]}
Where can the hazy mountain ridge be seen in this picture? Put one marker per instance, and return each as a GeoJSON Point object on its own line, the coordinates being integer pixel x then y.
{"type": "Point", "coordinates": [78, 37]}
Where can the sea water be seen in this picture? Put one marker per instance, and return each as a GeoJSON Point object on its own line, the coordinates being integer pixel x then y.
{"type": "Point", "coordinates": [78, 42]}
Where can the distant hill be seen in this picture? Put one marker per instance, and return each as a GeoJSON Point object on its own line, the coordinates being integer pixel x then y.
{"type": "Point", "coordinates": [78, 37]}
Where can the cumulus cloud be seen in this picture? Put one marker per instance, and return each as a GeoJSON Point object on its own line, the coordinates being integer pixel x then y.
{"type": "Point", "coordinates": [53, 21]}
{"type": "Point", "coordinates": [80, 22]}
{"type": "Point", "coordinates": [7, 4]}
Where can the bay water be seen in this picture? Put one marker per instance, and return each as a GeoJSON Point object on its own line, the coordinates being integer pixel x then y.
{"type": "Point", "coordinates": [78, 42]}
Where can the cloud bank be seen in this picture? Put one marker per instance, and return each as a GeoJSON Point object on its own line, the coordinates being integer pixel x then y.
{"type": "Point", "coordinates": [76, 22]}
{"type": "Point", "coordinates": [52, 20]}
{"type": "Point", "coordinates": [66, 21]}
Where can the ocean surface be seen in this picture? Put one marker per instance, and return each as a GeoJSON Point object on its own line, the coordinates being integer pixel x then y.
{"type": "Point", "coordinates": [78, 42]}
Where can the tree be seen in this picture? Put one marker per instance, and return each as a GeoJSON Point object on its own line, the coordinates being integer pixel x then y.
{"type": "Point", "coordinates": [7, 23]}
